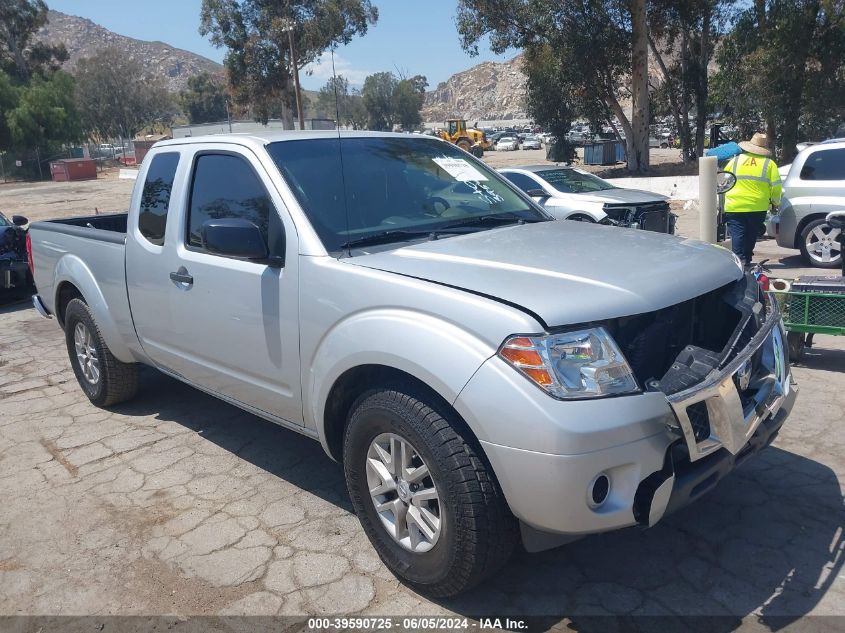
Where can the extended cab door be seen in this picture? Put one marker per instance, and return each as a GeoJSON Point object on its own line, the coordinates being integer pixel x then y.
{"type": "Point", "coordinates": [226, 324]}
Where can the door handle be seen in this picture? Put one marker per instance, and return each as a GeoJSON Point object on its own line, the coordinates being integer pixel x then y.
{"type": "Point", "coordinates": [182, 278]}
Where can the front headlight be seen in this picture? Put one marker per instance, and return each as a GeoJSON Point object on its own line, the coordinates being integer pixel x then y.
{"type": "Point", "coordinates": [581, 364]}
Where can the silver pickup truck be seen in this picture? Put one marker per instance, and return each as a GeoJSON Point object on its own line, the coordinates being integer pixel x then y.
{"type": "Point", "coordinates": [483, 373]}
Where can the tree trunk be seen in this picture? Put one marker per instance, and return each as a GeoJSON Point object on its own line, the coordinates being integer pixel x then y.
{"type": "Point", "coordinates": [613, 103]}
{"type": "Point", "coordinates": [798, 66]}
{"type": "Point", "coordinates": [638, 143]}
{"type": "Point", "coordinates": [701, 88]}
{"type": "Point", "coordinates": [683, 132]}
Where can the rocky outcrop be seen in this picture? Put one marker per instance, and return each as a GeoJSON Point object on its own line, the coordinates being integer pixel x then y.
{"type": "Point", "coordinates": [83, 38]}
{"type": "Point", "coordinates": [487, 91]}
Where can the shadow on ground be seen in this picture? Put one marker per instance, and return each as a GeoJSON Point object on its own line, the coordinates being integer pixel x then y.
{"type": "Point", "coordinates": [768, 542]}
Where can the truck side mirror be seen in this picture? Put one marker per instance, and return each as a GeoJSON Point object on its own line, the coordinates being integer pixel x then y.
{"type": "Point", "coordinates": [836, 219]}
{"type": "Point", "coordinates": [19, 220]}
{"type": "Point", "coordinates": [234, 237]}
{"type": "Point", "coordinates": [725, 181]}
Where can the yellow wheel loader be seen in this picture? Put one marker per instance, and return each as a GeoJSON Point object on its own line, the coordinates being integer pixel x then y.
{"type": "Point", "coordinates": [468, 139]}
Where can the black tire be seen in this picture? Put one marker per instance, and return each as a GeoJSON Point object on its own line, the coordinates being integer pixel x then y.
{"type": "Point", "coordinates": [835, 262]}
{"type": "Point", "coordinates": [478, 532]}
{"type": "Point", "coordinates": [117, 381]}
{"type": "Point", "coordinates": [464, 144]}
{"type": "Point", "coordinates": [795, 343]}
{"type": "Point", "coordinates": [580, 217]}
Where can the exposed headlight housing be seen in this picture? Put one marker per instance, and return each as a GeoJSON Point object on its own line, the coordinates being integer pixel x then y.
{"type": "Point", "coordinates": [571, 365]}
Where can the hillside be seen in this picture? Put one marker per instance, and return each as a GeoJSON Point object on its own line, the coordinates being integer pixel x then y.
{"type": "Point", "coordinates": [487, 91]}
{"type": "Point", "coordinates": [83, 38]}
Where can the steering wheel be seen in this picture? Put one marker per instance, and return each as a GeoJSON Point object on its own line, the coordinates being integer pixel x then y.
{"type": "Point", "coordinates": [429, 203]}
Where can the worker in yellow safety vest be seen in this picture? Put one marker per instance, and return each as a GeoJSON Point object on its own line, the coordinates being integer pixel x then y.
{"type": "Point", "coordinates": [757, 187]}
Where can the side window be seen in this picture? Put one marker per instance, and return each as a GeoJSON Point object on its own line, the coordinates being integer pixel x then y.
{"type": "Point", "coordinates": [827, 164]}
{"type": "Point", "coordinates": [526, 183]}
{"type": "Point", "coordinates": [152, 218]}
{"type": "Point", "coordinates": [225, 186]}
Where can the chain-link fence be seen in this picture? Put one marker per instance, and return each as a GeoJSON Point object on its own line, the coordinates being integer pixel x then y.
{"type": "Point", "coordinates": [34, 164]}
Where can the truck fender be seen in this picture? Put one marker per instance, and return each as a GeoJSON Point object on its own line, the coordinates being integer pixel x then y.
{"type": "Point", "coordinates": [72, 269]}
{"type": "Point", "coordinates": [437, 352]}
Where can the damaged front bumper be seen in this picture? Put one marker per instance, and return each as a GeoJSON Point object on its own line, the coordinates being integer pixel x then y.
{"type": "Point", "coordinates": [740, 409]}
{"type": "Point", "coordinates": [553, 455]}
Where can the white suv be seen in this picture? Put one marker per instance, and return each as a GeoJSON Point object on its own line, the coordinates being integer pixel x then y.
{"type": "Point", "coordinates": [814, 186]}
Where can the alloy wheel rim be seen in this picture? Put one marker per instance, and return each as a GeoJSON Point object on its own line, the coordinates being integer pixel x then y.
{"type": "Point", "coordinates": [86, 354]}
{"type": "Point", "coordinates": [403, 493]}
{"type": "Point", "coordinates": [823, 244]}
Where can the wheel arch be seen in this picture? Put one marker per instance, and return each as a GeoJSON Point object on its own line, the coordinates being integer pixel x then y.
{"type": "Point", "coordinates": [66, 291]}
{"type": "Point", "coordinates": [356, 381]}
{"type": "Point", "coordinates": [819, 215]}
{"type": "Point", "coordinates": [73, 279]}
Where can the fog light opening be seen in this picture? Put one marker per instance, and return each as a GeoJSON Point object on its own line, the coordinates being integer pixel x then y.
{"type": "Point", "coordinates": [599, 490]}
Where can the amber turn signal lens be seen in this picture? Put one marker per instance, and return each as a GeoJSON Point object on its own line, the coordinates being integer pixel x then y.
{"type": "Point", "coordinates": [540, 376]}
{"type": "Point", "coordinates": [522, 357]}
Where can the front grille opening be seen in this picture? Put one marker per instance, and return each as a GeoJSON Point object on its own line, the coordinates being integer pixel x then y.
{"type": "Point", "coordinates": [675, 348]}
{"type": "Point", "coordinates": [699, 418]}
{"type": "Point", "coordinates": [650, 216]}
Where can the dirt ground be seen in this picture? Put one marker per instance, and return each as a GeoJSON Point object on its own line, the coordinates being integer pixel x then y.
{"type": "Point", "coordinates": [177, 503]}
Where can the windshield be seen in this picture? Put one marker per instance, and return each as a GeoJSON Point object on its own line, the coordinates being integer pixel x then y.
{"type": "Point", "coordinates": [403, 185]}
{"type": "Point", "coordinates": [573, 181]}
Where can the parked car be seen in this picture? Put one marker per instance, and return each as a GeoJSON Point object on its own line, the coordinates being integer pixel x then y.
{"type": "Point", "coordinates": [507, 144]}
{"type": "Point", "coordinates": [14, 272]}
{"type": "Point", "coordinates": [572, 194]}
{"type": "Point", "coordinates": [576, 137]}
{"type": "Point", "coordinates": [531, 142]}
{"type": "Point", "coordinates": [661, 142]}
{"type": "Point", "coordinates": [483, 373]}
{"type": "Point", "coordinates": [814, 186]}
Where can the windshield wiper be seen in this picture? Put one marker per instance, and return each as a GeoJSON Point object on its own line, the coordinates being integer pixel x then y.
{"type": "Point", "coordinates": [385, 237]}
{"type": "Point", "coordinates": [492, 219]}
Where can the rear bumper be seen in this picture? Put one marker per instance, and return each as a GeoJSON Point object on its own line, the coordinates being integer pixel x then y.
{"type": "Point", "coordinates": [39, 306]}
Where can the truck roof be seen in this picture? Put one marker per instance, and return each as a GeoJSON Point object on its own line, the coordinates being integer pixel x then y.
{"type": "Point", "coordinates": [251, 138]}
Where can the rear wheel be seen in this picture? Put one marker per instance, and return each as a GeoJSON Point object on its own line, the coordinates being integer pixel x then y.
{"type": "Point", "coordinates": [580, 217]}
{"type": "Point", "coordinates": [103, 378]}
{"type": "Point", "coordinates": [820, 245]}
{"type": "Point", "coordinates": [426, 498]}
{"type": "Point", "coordinates": [464, 144]}
{"type": "Point", "coordinates": [795, 343]}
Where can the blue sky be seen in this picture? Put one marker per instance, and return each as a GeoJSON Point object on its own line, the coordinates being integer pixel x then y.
{"type": "Point", "coordinates": [414, 36]}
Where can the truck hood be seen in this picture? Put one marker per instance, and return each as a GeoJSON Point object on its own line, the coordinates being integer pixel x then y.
{"type": "Point", "coordinates": [567, 272]}
{"type": "Point", "coordinates": [618, 195]}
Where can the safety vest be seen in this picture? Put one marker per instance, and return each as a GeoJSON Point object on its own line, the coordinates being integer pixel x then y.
{"type": "Point", "coordinates": [757, 184]}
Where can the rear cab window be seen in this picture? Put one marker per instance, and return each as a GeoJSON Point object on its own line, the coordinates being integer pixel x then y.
{"type": "Point", "coordinates": [155, 199]}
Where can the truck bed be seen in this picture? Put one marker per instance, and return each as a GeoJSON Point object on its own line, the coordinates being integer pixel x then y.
{"type": "Point", "coordinates": [109, 228]}
{"type": "Point", "coordinates": [89, 251]}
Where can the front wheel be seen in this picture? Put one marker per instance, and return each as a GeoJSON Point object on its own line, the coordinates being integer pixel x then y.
{"type": "Point", "coordinates": [103, 378]}
{"type": "Point", "coordinates": [426, 498]}
{"type": "Point", "coordinates": [820, 245]}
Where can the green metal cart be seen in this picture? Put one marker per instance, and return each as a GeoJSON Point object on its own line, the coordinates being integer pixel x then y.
{"type": "Point", "coordinates": [808, 313]}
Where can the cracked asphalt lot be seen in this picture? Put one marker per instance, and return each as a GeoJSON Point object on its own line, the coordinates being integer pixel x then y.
{"type": "Point", "coordinates": [177, 503]}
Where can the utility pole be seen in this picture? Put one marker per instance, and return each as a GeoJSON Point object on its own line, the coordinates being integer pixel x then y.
{"type": "Point", "coordinates": [295, 69]}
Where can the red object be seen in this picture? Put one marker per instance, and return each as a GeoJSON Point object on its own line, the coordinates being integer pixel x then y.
{"type": "Point", "coordinates": [29, 260]}
{"type": "Point", "coordinates": [68, 169]}
{"type": "Point", "coordinates": [763, 280]}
